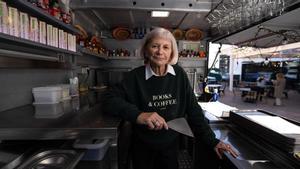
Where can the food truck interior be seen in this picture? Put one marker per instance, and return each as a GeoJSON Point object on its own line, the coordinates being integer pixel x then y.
{"type": "Point", "coordinates": [74, 50]}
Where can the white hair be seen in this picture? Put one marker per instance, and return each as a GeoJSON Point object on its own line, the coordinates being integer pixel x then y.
{"type": "Point", "coordinates": [163, 33]}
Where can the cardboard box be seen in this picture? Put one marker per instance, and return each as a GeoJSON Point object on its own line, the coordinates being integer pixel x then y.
{"type": "Point", "coordinates": [24, 25]}
{"type": "Point", "coordinates": [43, 32]}
{"type": "Point", "coordinates": [3, 18]}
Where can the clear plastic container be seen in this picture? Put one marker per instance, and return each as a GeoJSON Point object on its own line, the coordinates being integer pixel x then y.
{"type": "Point", "coordinates": [65, 91]}
{"type": "Point", "coordinates": [47, 95]}
{"type": "Point", "coordinates": [54, 110]}
{"type": "Point", "coordinates": [67, 105]}
{"type": "Point", "coordinates": [95, 150]}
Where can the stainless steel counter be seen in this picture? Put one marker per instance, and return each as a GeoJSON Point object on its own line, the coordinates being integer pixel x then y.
{"type": "Point", "coordinates": [82, 118]}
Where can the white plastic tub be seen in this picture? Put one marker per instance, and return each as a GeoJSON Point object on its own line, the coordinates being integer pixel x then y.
{"type": "Point", "coordinates": [47, 95]}
{"type": "Point", "coordinates": [65, 93]}
{"type": "Point", "coordinates": [95, 151]}
{"type": "Point", "coordinates": [54, 110]}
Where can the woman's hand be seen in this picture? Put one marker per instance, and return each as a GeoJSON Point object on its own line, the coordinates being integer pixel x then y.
{"type": "Point", "coordinates": [153, 120]}
{"type": "Point", "coordinates": [221, 147]}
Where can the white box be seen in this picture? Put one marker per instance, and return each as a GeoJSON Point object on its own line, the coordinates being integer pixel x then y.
{"type": "Point", "coordinates": [3, 18]}
{"type": "Point", "coordinates": [24, 25]}
{"type": "Point", "coordinates": [74, 43]}
{"type": "Point", "coordinates": [49, 35]}
{"type": "Point", "coordinates": [55, 36]}
{"type": "Point", "coordinates": [65, 46]}
{"type": "Point", "coordinates": [42, 32]}
{"type": "Point", "coordinates": [60, 38]}
{"type": "Point", "coordinates": [47, 95]}
{"type": "Point", "coordinates": [34, 29]}
{"type": "Point", "coordinates": [13, 21]}
{"type": "Point", "coordinates": [48, 110]}
{"type": "Point", "coordinates": [69, 47]}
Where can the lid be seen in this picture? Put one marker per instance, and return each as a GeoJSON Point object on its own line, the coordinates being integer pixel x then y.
{"type": "Point", "coordinates": [193, 35]}
{"type": "Point", "coordinates": [46, 103]}
{"type": "Point", "coordinates": [60, 85]}
{"type": "Point", "coordinates": [46, 89]}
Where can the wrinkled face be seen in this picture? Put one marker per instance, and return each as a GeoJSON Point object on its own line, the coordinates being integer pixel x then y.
{"type": "Point", "coordinates": [159, 51]}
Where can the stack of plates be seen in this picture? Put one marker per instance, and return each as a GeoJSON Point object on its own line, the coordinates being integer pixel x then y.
{"type": "Point", "coordinates": [178, 34]}
{"type": "Point", "coordinates": [277, 131]}
{"type": "Point", "coordinates": [193, 35]}
{"type": "Point", "coordinates": [121, 33]}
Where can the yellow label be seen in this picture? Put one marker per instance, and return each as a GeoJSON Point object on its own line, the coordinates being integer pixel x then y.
{"type": "Point", "coordinates": [1, 11]}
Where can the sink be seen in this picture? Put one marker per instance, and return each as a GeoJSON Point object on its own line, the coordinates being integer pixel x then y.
{"type": "Point", "coordinates": [52, 159]}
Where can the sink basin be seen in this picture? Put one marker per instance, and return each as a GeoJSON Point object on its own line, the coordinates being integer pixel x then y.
{"type": "Point", "coordinates": [52, 159]}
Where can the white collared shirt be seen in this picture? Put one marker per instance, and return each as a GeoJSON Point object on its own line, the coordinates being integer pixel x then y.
{"type": "Point", "coordinates": [149, 72]}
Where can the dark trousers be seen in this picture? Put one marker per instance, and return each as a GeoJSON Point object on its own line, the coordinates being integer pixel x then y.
{"type": "Point", "coordinates": [145, 156]}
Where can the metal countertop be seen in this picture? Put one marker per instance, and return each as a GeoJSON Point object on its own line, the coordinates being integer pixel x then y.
{"type": "Point", "coordinates": [81, 117]}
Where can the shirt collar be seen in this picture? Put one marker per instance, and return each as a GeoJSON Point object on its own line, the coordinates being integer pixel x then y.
{"type": "Point", "coordinates": [149, 72]}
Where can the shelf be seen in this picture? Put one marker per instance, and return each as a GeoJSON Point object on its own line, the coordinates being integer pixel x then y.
{"type": "Point", "coordinates": [124, 58]}
{"type": "Point", "coordinates": [25, 6]}
{"type": "Point", "coordinates": [140, 58]}
{"type": "Point", "coordinates": [15, 41]}
{"type": "Point", "coordinates": [88, 52]}
{"type": "Point", "coordinates": [191, 59]}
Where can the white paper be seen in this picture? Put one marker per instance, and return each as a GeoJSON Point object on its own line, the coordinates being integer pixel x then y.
{"type": "Point", "coordinates": [275, 123]}
{"type": "Point", "coordinates": [216, 108]}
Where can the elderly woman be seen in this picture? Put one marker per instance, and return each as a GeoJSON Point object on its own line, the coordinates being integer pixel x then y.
{"type": "Point", "coordinates": [279, 86]}
{"type": "Point", "coordinates": [153, 94]}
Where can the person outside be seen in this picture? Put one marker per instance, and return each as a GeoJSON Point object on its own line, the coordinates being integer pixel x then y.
{"type": "Point", "coordinates": [260, 86]}
{"type": "Point", "coordinates": [279, 86]}
{"type": "Point", "coordinates": [153, 94]}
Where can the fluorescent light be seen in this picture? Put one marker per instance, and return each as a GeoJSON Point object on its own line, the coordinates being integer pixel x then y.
{"type": "Point", "coordinates": [160, 13]}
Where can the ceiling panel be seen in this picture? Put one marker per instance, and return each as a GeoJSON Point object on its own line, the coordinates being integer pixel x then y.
{"type": "Point", "coordinates": [105, 15]}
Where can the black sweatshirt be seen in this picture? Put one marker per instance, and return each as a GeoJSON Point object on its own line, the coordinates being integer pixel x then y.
{"type": "Point", "coordinates": [170, 96]}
